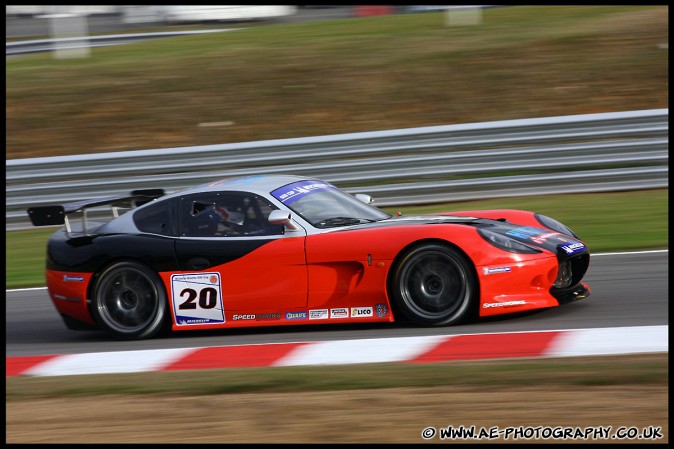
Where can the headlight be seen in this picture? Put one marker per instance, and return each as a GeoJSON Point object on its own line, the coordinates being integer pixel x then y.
{"type": "Point", "coordinates": [553, 224]}
{"type": "Point", "coordinates": [506, 243]}
{"type": "Point", "coordinates": [564, 276]}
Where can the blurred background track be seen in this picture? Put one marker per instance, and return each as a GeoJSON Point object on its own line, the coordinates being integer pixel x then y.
{"type": "Point", "coordinates": [37, 25]}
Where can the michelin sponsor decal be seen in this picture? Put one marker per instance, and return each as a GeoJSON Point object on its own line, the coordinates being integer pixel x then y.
{"type": "Point", "coordinates": [572, 248]}
{"type": "Point", "coordinates": [197, 299]}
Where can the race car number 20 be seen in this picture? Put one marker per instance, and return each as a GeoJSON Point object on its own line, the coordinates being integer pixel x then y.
{"type": "Point", "coordinates": [197, 299]}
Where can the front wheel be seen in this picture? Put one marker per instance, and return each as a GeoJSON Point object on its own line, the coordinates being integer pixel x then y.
{"type": "Point", "coordinates": [434, 285]}
{"type": "Point", "coordinates": [129, 301]}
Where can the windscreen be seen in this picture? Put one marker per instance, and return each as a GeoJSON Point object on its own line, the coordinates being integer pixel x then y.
{"type": "Point", "coordinates": [325, 206]}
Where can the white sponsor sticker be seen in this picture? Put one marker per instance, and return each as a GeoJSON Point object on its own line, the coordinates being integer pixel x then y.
{"type": "Point", "coordinates": [197, 299]}
{"type": "Point", "coordinates": [504, 304]}
{"type": "Point", "coordinates": [361, 312]}
{"type": "Point", "coordinates": [495, 270]}
{"type": "Point", "coordinates": [318, 314]}
{"type": "Point", "coordinates": [339, 313]}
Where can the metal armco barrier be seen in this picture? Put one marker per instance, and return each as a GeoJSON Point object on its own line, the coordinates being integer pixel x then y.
{"type": "Point", "coordinates": [42, 45]}
{"type": "Point", "coordinates": [568, 154]}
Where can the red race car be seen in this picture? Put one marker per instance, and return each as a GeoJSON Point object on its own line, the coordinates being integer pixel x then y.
{"type": "Point", "coordinates": [274, 250]}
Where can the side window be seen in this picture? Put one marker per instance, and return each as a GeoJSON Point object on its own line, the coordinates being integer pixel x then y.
{"type": "Point", "coordinates": [155, 218]}
{"type": "Point", "coordinates": [227, 214]}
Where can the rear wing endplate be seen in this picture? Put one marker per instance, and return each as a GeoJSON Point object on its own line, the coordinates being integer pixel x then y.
{"type": "Point", "coordinates": [58, 215]}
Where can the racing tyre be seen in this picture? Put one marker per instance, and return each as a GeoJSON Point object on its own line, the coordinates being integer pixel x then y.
{"type": "Point", "coordinates": [434, 285]}
{"type": "Point", "coordinates": [129, 301]}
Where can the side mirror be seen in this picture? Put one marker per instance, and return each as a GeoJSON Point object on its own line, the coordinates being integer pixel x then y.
{"type": "Point", "coordinates": [282, 217]}
{"type": "Point", "coordinates": [367, 199]}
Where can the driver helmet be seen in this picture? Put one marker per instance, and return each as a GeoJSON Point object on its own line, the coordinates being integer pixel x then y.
{"type": "Point", "coordinates": [226, 215]}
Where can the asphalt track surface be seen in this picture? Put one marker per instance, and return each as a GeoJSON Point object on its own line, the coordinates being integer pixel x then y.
{"type": "Point", "coordinates": [628, 289]}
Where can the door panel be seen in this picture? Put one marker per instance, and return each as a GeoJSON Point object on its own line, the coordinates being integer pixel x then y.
{"type": "Point", "coordinates": [257, 266]}
{"type": "Point", "coordinates": [255, 274]}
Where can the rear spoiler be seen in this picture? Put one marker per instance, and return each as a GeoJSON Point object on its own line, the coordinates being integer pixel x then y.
{"type": "Point", "coordinates": [58, 215]}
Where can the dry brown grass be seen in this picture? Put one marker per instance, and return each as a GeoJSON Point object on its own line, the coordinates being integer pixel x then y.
{"type": "Point", "coordinates": [395, 415]}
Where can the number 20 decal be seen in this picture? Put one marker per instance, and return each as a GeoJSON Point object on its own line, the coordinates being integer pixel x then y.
{"type": "Point", "coordinates": [197, 299]}
{"type": "Point", "coordinates": [208, 298]}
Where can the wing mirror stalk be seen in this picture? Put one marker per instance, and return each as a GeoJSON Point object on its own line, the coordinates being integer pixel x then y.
{"type": "Point", "coordinates": [283, 217]}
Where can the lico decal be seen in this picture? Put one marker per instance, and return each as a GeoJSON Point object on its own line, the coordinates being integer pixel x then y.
{"type": "Point", "coordinates": [360, 312]}
{"type": "Point", "coordinates": [296, 315]}
{"type": "Point", "coordinates": [197, 298]}
{"type": "Point", "coordinates": [318, 314]}
{"type": "Point", "coordinates": [495, 270]}
{"type": "Point", "coordinates": [292, 192]}
{"type": "Point", "coordinates": [339, 313]}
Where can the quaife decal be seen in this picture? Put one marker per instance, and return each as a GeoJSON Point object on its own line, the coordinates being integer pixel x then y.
{"type": "Point", "coordinates": [197, 299]}
{"type": "Point", "coordinates": [360, 312]}
{"type": "Point", "coordinates": [296, 315]}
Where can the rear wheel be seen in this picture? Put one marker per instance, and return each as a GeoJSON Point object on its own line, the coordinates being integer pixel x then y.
{"type": "Point", "coordinates": [434, 285]}
{"type": "Point", "coordinates": [129, 301]}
